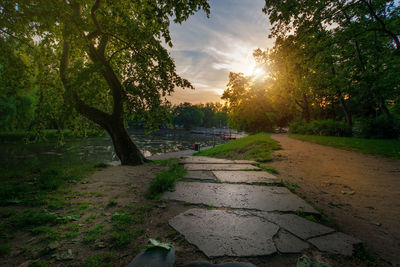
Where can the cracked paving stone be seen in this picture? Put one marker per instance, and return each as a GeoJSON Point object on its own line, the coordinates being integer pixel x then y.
{"type": "Point", "coordinates": [248, 177]}
{"type": "Point", "coordinates": [285, 242]}
{"type": "Point", "coordinates": [226, 233]}
{"type": "Point", "coordinates": [336, 243]}
{"type": "Point", "coordinates": [200, 175]}
{"type": "Point", "coordinates": [297, 225]}
{"type": "Point", "coordinates": [241, 196]}
{"type": "Point", "coordinates": [220, 167]}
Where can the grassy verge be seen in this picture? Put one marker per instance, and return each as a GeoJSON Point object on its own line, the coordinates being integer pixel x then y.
{"type": "Point", "coordinates": [253, 147]}
{"type": "Point", "coordinates": [165, 180]}
{"type": "Point", "coordinates": [385, 148]}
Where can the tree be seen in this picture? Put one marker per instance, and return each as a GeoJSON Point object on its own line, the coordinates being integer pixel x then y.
{"type": "Point", "coordinates": [188, 115]}
{"type": "Point", "coordinates": [112, 62]}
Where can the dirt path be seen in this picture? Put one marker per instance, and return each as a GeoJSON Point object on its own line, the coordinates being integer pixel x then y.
{"type": "Point", "coordinates": [360, 192]}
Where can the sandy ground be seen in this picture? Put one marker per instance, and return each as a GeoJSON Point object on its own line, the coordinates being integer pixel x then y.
{"type": "Point", "coordinates": [360, 192]}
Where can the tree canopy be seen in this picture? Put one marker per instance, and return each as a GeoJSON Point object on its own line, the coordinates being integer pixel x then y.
{"type": "Point", "coordinates": [109, 57]}
{"type": "Point", "coordinates": [331, 60]}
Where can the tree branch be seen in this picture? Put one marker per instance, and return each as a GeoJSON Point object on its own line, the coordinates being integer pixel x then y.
{"type": "Point", "coordinates": [382, 23]}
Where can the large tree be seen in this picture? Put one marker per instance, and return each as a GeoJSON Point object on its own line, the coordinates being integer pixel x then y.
{"type": "Point", "coordinates": [112, 60]}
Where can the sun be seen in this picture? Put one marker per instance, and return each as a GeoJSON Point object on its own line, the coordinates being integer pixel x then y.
{"type": "Point", "coordinates": [257, 72]}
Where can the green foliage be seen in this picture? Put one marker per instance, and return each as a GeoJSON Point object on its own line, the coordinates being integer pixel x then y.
{"type": "Point", "coordinates": [112, 203]}
{"type": "Point", "coordinates": [121, 220]}
{"type": "Point", "coordinates": [93, 234]}
{"type": "Point", "coordinates": [101, 165]}
{"type": "Point", "coordinates": [38, 264]}
{"type": "Point", "coordinates": [121, 239]}
{"type": "Point", "coordinates": [165, 180]}
{"type": "Point", "coordinates": [253, 147]}
{"type": "Point", "coordinates": [4, 250]}
{"type": "Point", "coordinates": [32, 218]}
{"type": "Point", "coordinates": [330, 60]}
{"type": "Point", "coordinates": [321, 127]}
{"type": "Point", "coordinates": [101, 260]}
{"type": "Point", "coordinates": [386, 148]}
{"type": "Point", "coordinates": [29, 184]}
{"type": "Point", "coordinates": [292, 187]}
{"type": "Point", "coordinates": [189, 116]}
{"type": "Point", "coordinates": [379, 128]}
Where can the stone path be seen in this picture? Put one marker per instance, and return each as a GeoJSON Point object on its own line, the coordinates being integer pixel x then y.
{"type": "Point", "coordinates": [251, 213]}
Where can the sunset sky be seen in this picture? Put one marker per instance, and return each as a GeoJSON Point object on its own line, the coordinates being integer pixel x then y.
{"type": "Point", "coordinates": [206, 50]}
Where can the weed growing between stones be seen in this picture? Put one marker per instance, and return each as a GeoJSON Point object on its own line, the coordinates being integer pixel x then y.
{"type": "Point", "coordinates": [165, 180]}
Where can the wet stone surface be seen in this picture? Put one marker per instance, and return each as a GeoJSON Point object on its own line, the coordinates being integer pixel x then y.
{"type": "Point", "coordinates": [226, 233]}
{"type": "Point", "coordinates": [207, 176]}
{"type": "Point", "coordinates": [248, 177]}
{"type": "Point", "coordinates": [221, 167]}
{"type": "Point", "coordinates": [296, 225]}
{"type": "Point", "coordinates": [285, 242]}
{"type": "Point", "coordinates": [335, 243]}
{"type": "Point", "coordinates": [240, 196]}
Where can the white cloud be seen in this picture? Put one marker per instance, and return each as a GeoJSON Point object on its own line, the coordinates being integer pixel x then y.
{"type": "Point", "coordinates": [206, 50]}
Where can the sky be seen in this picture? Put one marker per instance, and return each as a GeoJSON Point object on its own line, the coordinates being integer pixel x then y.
{"type": "Point", "coordinates": [205, 49]}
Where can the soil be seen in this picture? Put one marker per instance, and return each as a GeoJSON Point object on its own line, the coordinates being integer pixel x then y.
{"type": "Point", "coordinates": [370, 213]}
{"type": "Point", "coordinates": [361, 193]}
{"type": "Point", "coordinates": [127, 186]}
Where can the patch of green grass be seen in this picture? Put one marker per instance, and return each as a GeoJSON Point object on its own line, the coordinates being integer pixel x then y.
{"type": "Point", "coordinates": [139, 232]}
{"type": "Point", "coordinates": [6, 213]}
{"type": "Point", "coordinates": [256, 147]}
{"type": "Point", "coordinates": [165, 180]}
{"type": "Point", "coordinates": [32, 218]}
{"type": "Point", "coordinates": [93, 234]}
{"type": "Point", "coordinates": [96, 194]}
{"type": "Point", "coordinates": [101, 260]}
{"type": "Point", "coordinates": [292, 187]}
{"type": "Point", "coordinates": [267, 169]}
{"type": "Point", "coordinates": [164, 162]}
{"type": "Point", "coordinates": [5, 250]}
{"type": "Point", "coordinates": [101, 165]}
{"type": "Point", "coordinates": [71, 230]}
{"type": "Point", "coordinates": [38, 264]}
{"type": "Point", "coordinates": [112, 203]}
{"type": "Point", "coordinates": [381, 147]}
{"type": "Point", "coordinates": [56, 204]}
{"type": "Point", "coordinates": [121, 220]}
{"type": "Point", "coordinates": [121, 239]}
{"type": "Point", "coordinates": [32, 184]}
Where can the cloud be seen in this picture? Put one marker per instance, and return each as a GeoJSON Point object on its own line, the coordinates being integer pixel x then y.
{"type": "Point", "coordinates": [206, 50]}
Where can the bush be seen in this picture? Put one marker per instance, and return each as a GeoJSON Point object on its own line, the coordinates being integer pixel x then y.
{"type": "Point", "coordinates": [321, 127]}
{"type": "Point", "coordinates": [379, 128]}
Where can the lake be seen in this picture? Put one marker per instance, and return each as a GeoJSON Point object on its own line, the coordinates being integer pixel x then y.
{"type": "Point", "coordinates": [98, 149]}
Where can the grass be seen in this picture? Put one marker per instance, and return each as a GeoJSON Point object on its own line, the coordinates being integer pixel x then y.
{"type": "Point", "coordinates": [381, 147]}
{"type": "Point", "coordinates": [256, 147]}
{"type": "Point", "coordinates": [165, 180]}
{"type": "Point", "coordinates": [33, 184]}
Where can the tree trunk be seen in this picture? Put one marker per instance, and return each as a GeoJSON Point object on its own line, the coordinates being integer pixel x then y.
{"type": "Point", "coordinates": [126, 150]}
{"type": "Point", "coordinates": [346, 111]}
{"type": "Point", "coordinates": [306, 109]}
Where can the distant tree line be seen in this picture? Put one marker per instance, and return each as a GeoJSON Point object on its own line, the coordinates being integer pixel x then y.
{"type": "Point", "coordinates": [202, 115]}
{"type": "Point", "coordinates": [332, 61]}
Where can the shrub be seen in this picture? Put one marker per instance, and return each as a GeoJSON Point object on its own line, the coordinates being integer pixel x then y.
{"type": "Point", "coordinates": [379, 128]}
{"type": "Point", "coordinates": [321, 127]}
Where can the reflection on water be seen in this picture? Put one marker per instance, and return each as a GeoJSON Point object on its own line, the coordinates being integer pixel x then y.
{"type": "Point", "coordinates": [98, 149]}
